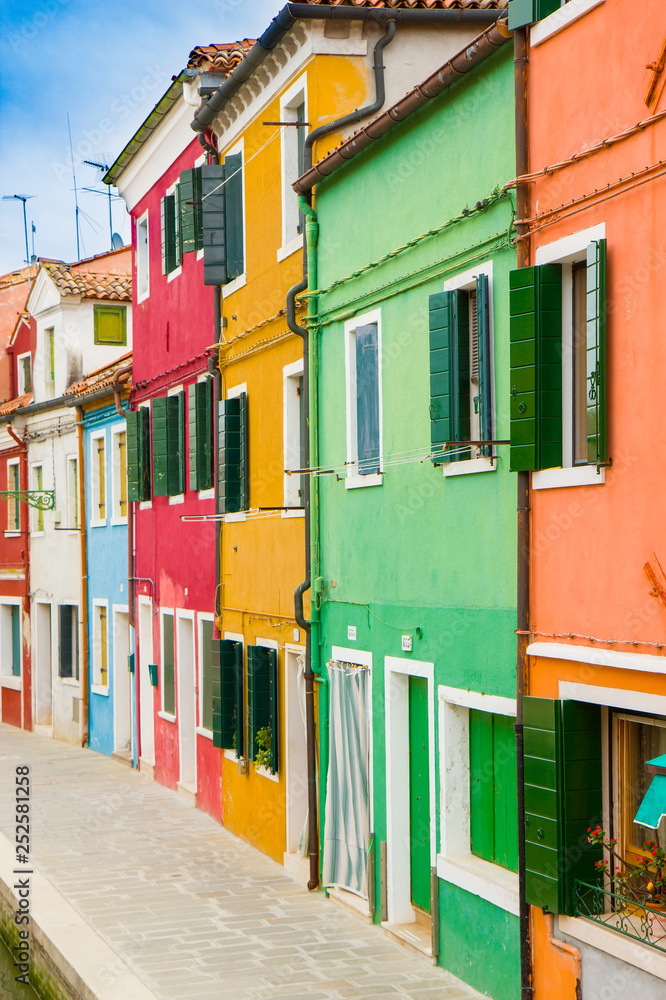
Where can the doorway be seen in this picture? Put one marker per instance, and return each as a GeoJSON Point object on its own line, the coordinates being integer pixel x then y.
{"type": "Point", "coordinates": [185, 666]}
{"type": "Point", "coordinates": [146, 689]}
{"type": "Point", "coordinates": [43, 665]}
{"type": "Point", "coordinates": [296, 759]}
{"type": "Point", "coordinates": [122, 684]}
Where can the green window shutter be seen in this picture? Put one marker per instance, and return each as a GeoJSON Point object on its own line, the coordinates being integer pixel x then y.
{"type": "Point", "coordinates": [16, 640]}
{"type": "Point", "coordinates": [228, 701]}
{"type": "Point", "coordinates": [562, 745]}
{"type": "Point", "coordinates": [367, 399]}
{"type": "Point", "coordinates": [192, 430]}
{"type": "Point", "coordinates": [535, 309]}
{"type": "Point", "coordinates": [190, 209]}
{"type": "Point", "coordinates": [486, 421]}
{"type": "Point", "coordinates": [493, 788]}
{"type": "Point", "coordinates": [207, 675]}
{"type": "Point", "coordinates": [234, 238]}
{"type": "Point", "coordinates": [213, 197]}
{"type": "Point", "coordinates": [201, 434]}
{"type": "Point", "coordinates": [160, 447]}
{"type": "Point", "coordinates": [170, 234]}
{"type": "Point", "coordinates": [597, 451]}
{"type": "Point", "coordinates": [233, 455]}
{"type": "Point", "coordinates": [175, 444]}
{"type": "Point", "coordinates": [163, 233]}
{"type": "Point", "coordinates": [523, 12]}
{"type": "Point", "coordinates": [441, 373]}
{"type": "Point", "coordinates": [138, 454]}
{"type": "Point", "coordinates": [262, 691]}
{"type": "Point", "coordinates": [177, 231]}
{"type": "Point", "coordinates": [110, 324]}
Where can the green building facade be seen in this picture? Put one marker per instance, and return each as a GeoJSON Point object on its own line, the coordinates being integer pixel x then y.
{"type": "Point", "coordinates": [414, 539]}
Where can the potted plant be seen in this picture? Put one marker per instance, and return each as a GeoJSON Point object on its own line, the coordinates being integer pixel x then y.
{"type": "Point", "coordinates": [635, 886]}
{"type": "Point", "coordinates": [263, 744]}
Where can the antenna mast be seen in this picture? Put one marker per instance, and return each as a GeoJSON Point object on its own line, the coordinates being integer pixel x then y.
{"type": "Point", "coordinates": [76, 196]}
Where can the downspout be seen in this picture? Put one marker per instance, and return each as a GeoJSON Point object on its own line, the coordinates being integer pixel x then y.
{"type": "Point", "coordinates": [117, 389]}
{"type": "Point", "coordinates": [23, 445]}
{"type": "Point", "coordinates": [520, 41]}
{"type": "Point", "coordinates": [217, 396]}
{"type": "Point", "coordinates": [313, 667]}
{"type": "Point", "coordinates": [563, 946]}
{"type": "Point", "coordinates": [84, 575]}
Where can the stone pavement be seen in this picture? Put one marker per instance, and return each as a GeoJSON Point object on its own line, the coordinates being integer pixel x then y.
{"type": "Point", "coordinates": [192, 910]}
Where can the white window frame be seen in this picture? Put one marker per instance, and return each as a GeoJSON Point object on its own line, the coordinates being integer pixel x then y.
{"type": "Point", "coordinates": [174, 391]}
{"type": "Point", "coordinates": [233, 393]}
{"type": "Point", "coordinates": [33, 513]}
{"type": "Point", "coordinates": [115, 431]}
{"type": "Point", "coordinates": [231, 754]}
{"type": "Point", "coordinates": [291, 100]}
{"type": "Point", "coordinates": [562, 18]}
{"type": "Point", "coordinates": [170, 275]}
{"type": "Point", "coordinates": [241, 280]}
{"type": "Point", "coordinates": [202, 616]}
{"type": "Point", "coordinates": [73, 502]}
{"type": "Point", "coordinates": [13, 532]}
{"type": "Point", "coordinates": [142, 258]}
{"type": "Point", "coordinates": [291, 419]}
{"type": "Point", "coordinates": [20, 373]}
{"type": "Point", "coordinates": [8, 680]}
{"type": "Point", "coordinates": [167, 716]}
{"type": "Point", "coordinates": [96, 685]}
{"type": "Point", "coordinates": [200, 162]}
{"type": "Point", "coordinates": [353, 480]}
{"type": "Point", "coordinates": [566, 251]}
{"type": "Point", "coordinates": [147, 504]}
{"type": "Point", "coordinates": [46, 355]}
{"type": "Point", "coordinates": [95, 487]}
{"type": "Point", "coordinates": [74, 681]}
{"type": "Point", "coordinates": [208, 494]}
{"type": "Point", "coordinates": [455, 862]}
{"type": "Point", "coordinates": [466, 281]}
{"type": "Point", "coordinates": [263, 771]}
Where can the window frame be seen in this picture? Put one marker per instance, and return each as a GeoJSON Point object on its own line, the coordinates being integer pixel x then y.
{"type": "Point", "coordinates": [100, 651]}
{"type": "Point", "coordinates": [49, 356]}
{"type": "Point", "coordinates": [8, 678]}
{"type": "Point", "coordinates": [292, 99]}
{"type": "Point", "coordinates": [568, 12]}
{"type": "Point", "coordinates": [115, 309]}
{"type": "Point", "coordinates": [164, 713]}
{"type": "Point", "coordinates": [36, 515]}
{"type": "Point", "coordinates": [244, 723]}
{"type": "Point", "coordinates": [233, 393]}
{"type": "Point", "coordinates": [353, 479]}
{"type": "Point", "coordinates": [15, 530]}
{"type": "Point", "coordinates": [292, 426]}
{"type": "Point", "coordinates": [618, 777]}
{"type": "Point", "coordinates": [201, 729]}
{"type": "Point", "coordinates": [258, 769]}
{"type": "Point", "coordinates": [142, 258]}
{"type": "Point", "coordinates": [73, 501]}
{"type": "Point", "coordinates": [95, 484]}
{"type": "Point", "coordinates": [178, 390]}
{"type": "Point", "coordinates": [117, 517]}
{"type": "Point", "coordinates": [173, 192]}
{"type": "Point", "coordinates": [73, 678]}
{"type": "Point", "coordinates": [20, 373]}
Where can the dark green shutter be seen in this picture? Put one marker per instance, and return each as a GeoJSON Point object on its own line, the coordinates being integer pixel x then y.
{"type": "Point", "coordinates": [228, 701]}
{"type": "Point", "coordinates": [138, 454]}
{"type": "Point", "coordinates": [563, 798]}
{"type": "Point", "coordinates": [191, 210]}
{"type": "Point", "coordinates": [262, 690]}
{"type": "Point", "coordinates": [192, 430]}
{"type": "Point", "coordinates": [523, 12]}
{"type": "Point", "coordinates": [213, 196]}
{"type": "Point", "coordinates": [493, 791]}
{"type": "Point", "coordinates": [16, 640]}
{"type": "Point", "coordinates": [66, 639]}
{"type": "Point", "coordinates": [201, 434]}
{"type": "Point", "coordinates": [176, 444]}
{"type": "Point", "coordinates": [367, 399]}
{"type": "Point", "coordinates": [596, 353]}
{"type": "Point", "coordinates": [233, 455]}
{"type": "Point", "coordinates": [449, 373]}
{"type": "Point", "coordinates": [486, 422]}
{"type": "Point", "coordinates": [160, 447]}
{"type": "Point", "coordinates": [234, 237]}
{"type": "Point", "coordinates": [535, 305]}
{"type": "Point", "coordinates": [169, 234]}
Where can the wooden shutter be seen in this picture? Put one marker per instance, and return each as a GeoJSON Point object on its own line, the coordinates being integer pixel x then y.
{"type": "Point", "coordinates": [170, 234]}
{"type": "Point", "coordinates": [160, 447]}
{"type": "Point", "coordinates": [213, 196]}
{"type": "Point", "coordinates": [192, 430]}
{"type": "Point", "coordinates": [597, 451]}
{"type": "Point", "coordinates": [16, 639]}
{"type": "Point", "coordinates": [262, 690]}
{"type": "Point", "coordinates": [485, 368]}
{"type": "Point", "coordinates": [535, 306]}
{"type": "Point", "coordinates": [138, 454]}
{"type": "Point", "coordinates": [175, 444]}
{"type": "Point", "coordinates": [449, 373]}
{"type": "Point", "coordinates": [110, 324]}
{"type": "Point", "coordinates": [190, 210]}
{"type": "Point", "coordinates": [228, 701]}
{"type": "Point", "coordinates": [200, 405]}
{"type": "Point", "coordinates": [367, 399]}
{"type": "Point", "coordinates": [493, 791]}
{"type": "Point", "coordinates": [66, 633]}
{"type": "Point", "coordinates": [562, 742]}
{"type": "Point", "coordinates": [523, 12]}
{"type": "Point", "coordinates": [234, 237]}
{"type": "Point", "coordinates": [233, 455]}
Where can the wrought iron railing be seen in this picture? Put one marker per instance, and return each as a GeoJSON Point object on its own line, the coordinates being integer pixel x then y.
{"type": "Point", "coordinates": [622, 913]}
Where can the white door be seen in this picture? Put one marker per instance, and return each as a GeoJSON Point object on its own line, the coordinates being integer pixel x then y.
{"type": "Point", "coordinates": [146, 695]}
{"type": "Point", "coordinates": [296, 749]}
{"type": "Point", "coordinates": [43, 665]}
{"type": "Point", "coordinates": [122, 682]}
{"type": "Point", "coordinates": [185, 684]}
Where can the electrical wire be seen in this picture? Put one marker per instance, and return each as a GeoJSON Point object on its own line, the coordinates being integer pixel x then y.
{"type": "Point", "coordinates": [249, 160]}
{"type": "Point", "coordinates": [590, 638]}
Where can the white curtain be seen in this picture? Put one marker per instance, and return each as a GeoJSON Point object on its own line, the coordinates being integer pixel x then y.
{"type": "Point", "coordinates": [347, 817]}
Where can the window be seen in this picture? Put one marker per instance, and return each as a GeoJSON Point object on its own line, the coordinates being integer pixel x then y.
{"type": "Point", "coordinates": [100, 645]}
{"type": "Point", "coordinates": [263, 711]}
{"type": "Point", "coordinates": [168, 666]}
{"type": "Point", "coordinates": [10, 639]}
{"type": "Point", "coordinates": [292, 109]}
{"type": "Point", "coordinates": [201, 445]}
{"type": "Point", "coordinates": [138, 454]}
{"type": "Point", "coordinates": [142, 259]}
{"type": "Point", "coordinates": [119, 441]}
{"type": "Point", "coordinates": [522, 12]}
{"type": "Point", "coordinates": [24, 366]}
{"type": "Point", "coordinates": [191, 209]}
{"type": "Point", "coordinates": [223, 220]}
{"type": "Point", "coordinates": [49, 354]}
{"type": "Point", "coordinates": [98, 456]}
{"type": "Point", "coordinates": [37, 484]}
{"type": "Point", "coordinates": [172, 246]}
{"type": "Point", "coordinates": [228, 696]}
{"type": "Point", "coordinates": [363, 371]}
{"type": "Point", "coordinates": [13, 502]}
{"type": "Point", "coordinates": [636, 740]}
{"type": "Point", "coordinates": [72, 493]}
{"type": "Point", "coordinates": [68, 650]}
{"type": "Point", "coordinates": [110, 324]}
{"type": "Point", "coordinates": [558, 356]}
{"type": "Point", "coordinates": [461, 389]}
{"type": "Point", "coordinates": [493, 795]}
{"type": "Point", "coordinates": [294, 441]}
{"type": "Point", "coordinates": [232, 441]}
{"type": "Point", "coordinates": [169, 445]}
{"type": "Point", "coordinates": [206, 673]}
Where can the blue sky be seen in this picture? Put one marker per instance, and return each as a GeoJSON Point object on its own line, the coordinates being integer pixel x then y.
{"type": "Point", "coordinates": [108, 65]}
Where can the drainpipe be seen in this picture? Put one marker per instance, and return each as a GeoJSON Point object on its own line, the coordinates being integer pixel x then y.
{"type": "Point", "coordinates": [563, 946]}
{"type": "Point", "coordinates": [120, 378]}
{"type": "Point", "coordinates": [523, 522]}
{"type": "Point", "coordinates": [214, 366]}
{"type": "Point", "coordinates": [313, 668]}
{"type": "Point", "coordinates": [80, 412]}
{"type": "Point", "coordinates": [23, 445]}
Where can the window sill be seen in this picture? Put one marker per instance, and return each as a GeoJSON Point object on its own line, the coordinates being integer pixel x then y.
{"type": "Point", "coordinates": [145, 505]}
{"type": "Point", "coordinates": [12, 534]}
{"type": "Point", "coordinates": [471, 465]}
{"type": "Point", "coordinates": [167, 716]}
{"type": "Point", "coordinates": [174, 274]}
{"type": "Point", "coordinates": [292, 246]}
{"type": "Point", "coordinates": [97, 524]}
{"type": "Point", "coordinates": [605, 939]}
{"type": "Point", "coordinates": [230, 755]}
{"type": "Point", "coordinates": [355, 482]}
{"type": "Point", "coordinates": [234, 286]}
{"type": "Point", "coordinates": [143, 297]}
{"type": "Point", "coordinates": [265, 773]}
{"type": "Point", "coordinates": [560, 19]}
{"type": "Point", "coordinates": [204, 732]}
{"type": "Point", "coordinates": [482, 878]}
{"type": "Point", "coordinates": [178, 498]}
{"type": "Point", "coordinates": [118, 520]}
{"type": "Point", "coordinates": [14, 683]}
{"type": "Point", "coordinates": [200, 254]}
{"type": "Point", "coordinates": [37, 534]}
{"type": "Point", "coordinates": [206, 494]}
{"type": "Point", "coordinates": [70, 681]}
{"type": "Point", "coordinates": [102, 689]}
{"type": "Point", "coordinates": [238, 515]}
{"type": "Point", "coordinates": [579, 475]}
{"type": "Point", "coordinates": [296, 512]}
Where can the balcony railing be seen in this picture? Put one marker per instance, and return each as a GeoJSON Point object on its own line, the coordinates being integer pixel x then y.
{"type": "Point", "coordinates": [633, 918]}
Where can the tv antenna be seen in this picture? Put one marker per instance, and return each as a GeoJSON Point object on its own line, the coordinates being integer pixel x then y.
{"type": "Point", "coordinates": [76, 196]}
{"type": "Point", "coordinates": [23, 198]}
{"type": "Point", "coordinates": [104, 167]}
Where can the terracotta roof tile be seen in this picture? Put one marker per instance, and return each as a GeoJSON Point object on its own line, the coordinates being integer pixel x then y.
{"type": "Point", "coordinates": [90, 284]}
{"type": "Point", "coordinates": [13, 404]}
{"type": "Point", "coordinates": [425, 4]}
{"type": "Point", "coordinates": [222, 58]}
{"type": "Point", "coordinates": [101, 378]}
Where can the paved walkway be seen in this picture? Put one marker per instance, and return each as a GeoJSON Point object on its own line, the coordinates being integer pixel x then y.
{"type": "Point", "coordinates": [194, 912]}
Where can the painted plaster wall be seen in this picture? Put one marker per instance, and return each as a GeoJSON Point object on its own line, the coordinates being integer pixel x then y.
{"type": "Point", "coordinates": [15, 705]}
{"type": "Point", "coordinates": [422, 551]}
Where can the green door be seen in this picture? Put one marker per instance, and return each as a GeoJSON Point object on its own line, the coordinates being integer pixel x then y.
{"type": "Point", "coordinates": [419, 793]}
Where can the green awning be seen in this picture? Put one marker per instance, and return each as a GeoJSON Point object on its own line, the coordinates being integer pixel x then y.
{"type": "Point", "coordinates": [653, 806]}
